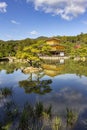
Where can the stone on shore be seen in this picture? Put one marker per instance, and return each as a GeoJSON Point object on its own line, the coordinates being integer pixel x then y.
{"type": "Point", "coordinates": [31, 70]}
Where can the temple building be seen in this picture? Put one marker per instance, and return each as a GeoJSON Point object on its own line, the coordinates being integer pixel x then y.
{"type": "Point", "coordinates": [57, 49]}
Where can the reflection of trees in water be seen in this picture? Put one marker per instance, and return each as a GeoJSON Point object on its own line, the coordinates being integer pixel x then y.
{"type": "Point", "coordinates": [76, 67]}
{"type": "Point", "coordinates": [36, 86]}
{"type": "Point", "coordinates": [8, 67]}
{"type": "Point", "coordinates": [11, 67]}
{"type": "Point", "coordinates": [70, 66]}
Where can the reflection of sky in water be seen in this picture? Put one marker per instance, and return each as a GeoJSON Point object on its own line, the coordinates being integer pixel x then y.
{"type": "Point", "coordinates": [11, 80]}
{"type": "Point", "coordinates": [68, 90]}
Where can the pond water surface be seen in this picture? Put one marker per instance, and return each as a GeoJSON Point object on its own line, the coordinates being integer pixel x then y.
{"type": "Point", "coordinates": [61, 85]}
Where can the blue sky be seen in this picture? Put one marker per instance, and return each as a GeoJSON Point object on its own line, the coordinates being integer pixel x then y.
{"type": "Point", "coordinates": [20, 19]}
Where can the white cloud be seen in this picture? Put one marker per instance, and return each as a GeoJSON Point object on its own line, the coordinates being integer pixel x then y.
{"type": "Point", "coordinates": [3, 6]}
{"type": "Point", "coordinates": [33, 32]}
{"type": "Point", "coordinates": [14, 22]}
{"type": "Point", "coordinates": [67, 9]}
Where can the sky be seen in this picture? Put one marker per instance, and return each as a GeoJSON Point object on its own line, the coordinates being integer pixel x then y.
{"type": "Point", "coordinates": [20, 19]}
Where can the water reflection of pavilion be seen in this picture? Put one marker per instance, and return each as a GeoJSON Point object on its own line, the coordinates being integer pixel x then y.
{"type": "Point", "coordinates": [52, 69]}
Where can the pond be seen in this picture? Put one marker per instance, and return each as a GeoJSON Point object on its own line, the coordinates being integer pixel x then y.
{"type": "Point", "coordinates": [61, 85]}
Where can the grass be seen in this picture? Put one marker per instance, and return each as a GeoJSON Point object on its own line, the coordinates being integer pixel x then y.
{"type": "Point", "coordinates": [6, 91]}
{"type": "Point", "coordinates": [37, 117]}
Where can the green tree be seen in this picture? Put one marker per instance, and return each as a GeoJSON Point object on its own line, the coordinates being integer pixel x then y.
{"type": "Point", "coordinates": [31, 53]}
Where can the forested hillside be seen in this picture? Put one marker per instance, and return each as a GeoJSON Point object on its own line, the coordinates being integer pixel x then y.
{"type": "Point", "coordinates": [75, 45]}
